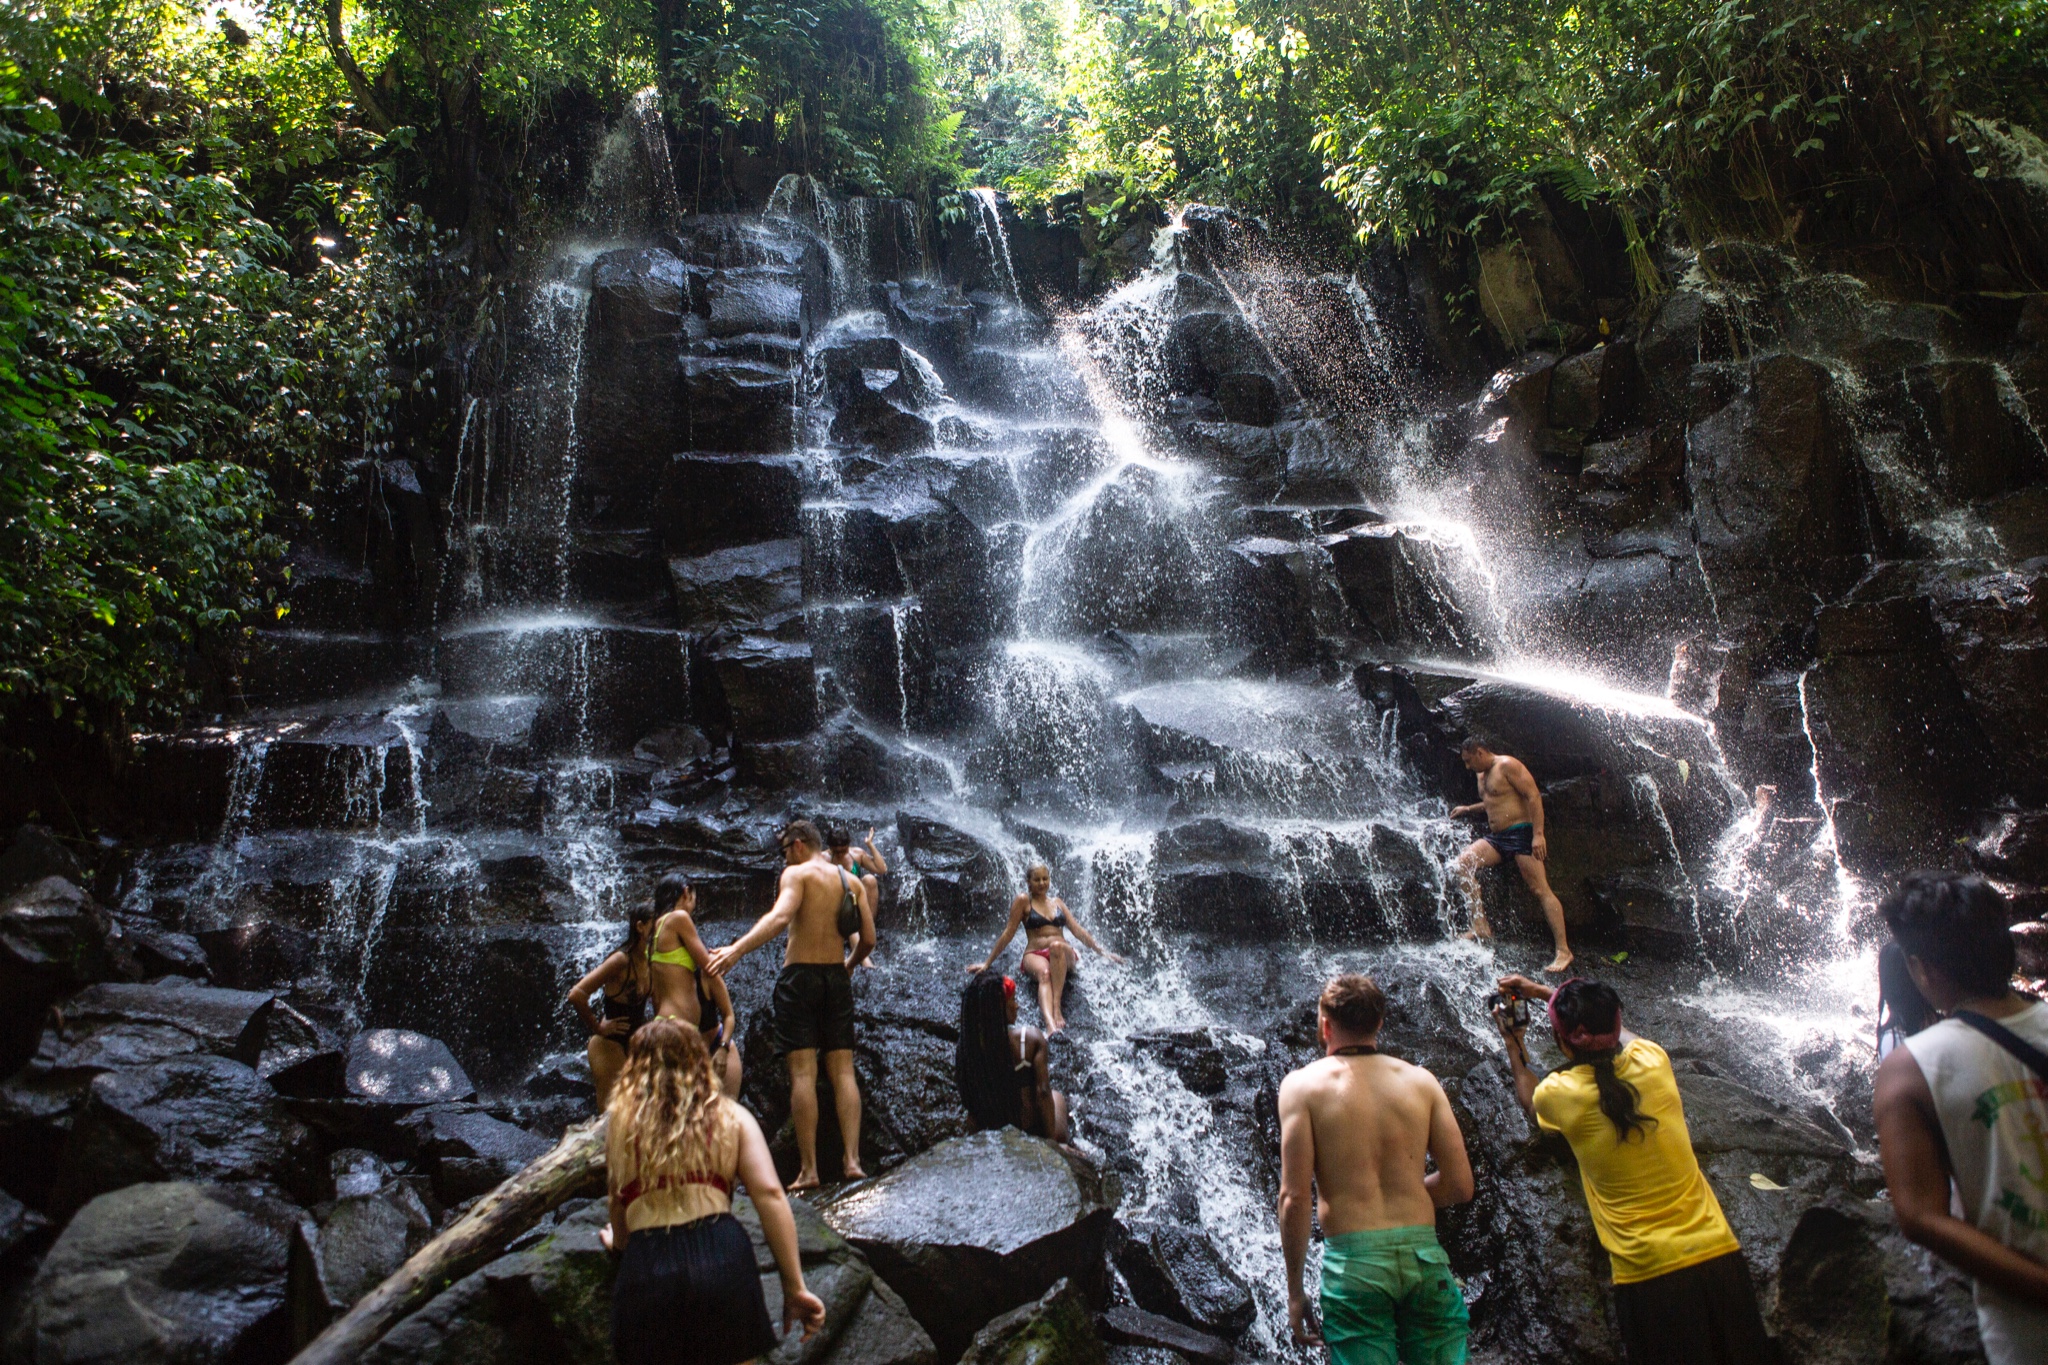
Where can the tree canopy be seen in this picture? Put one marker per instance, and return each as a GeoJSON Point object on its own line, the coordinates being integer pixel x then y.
{"type": "Point", "coordinates": [228, 231]}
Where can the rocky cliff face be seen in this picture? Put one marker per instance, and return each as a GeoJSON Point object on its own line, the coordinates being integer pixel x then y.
{"type": "Point", "coordinates": [1190, 593]}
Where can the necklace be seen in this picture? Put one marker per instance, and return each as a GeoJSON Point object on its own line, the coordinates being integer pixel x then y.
{"type": "Point", "coordinates": [1355, 1050]}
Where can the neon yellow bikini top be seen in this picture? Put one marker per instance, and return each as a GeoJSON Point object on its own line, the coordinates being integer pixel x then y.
{"type": "Point", "coordinates": [678, 956]}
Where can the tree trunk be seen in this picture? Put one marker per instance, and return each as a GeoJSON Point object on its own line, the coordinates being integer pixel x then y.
{"type": "Point", "coordinates": [472, 1241]}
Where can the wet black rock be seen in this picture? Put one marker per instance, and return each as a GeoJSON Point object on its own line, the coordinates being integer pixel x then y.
{"type": "Point", "coordinates": [2015, 845]}
{"type": "Point", "coordinates": [354, 1243]}
{"type": "Point", "coordinates": [750, 587]}
{"type": "Point", "coordinates": [1056, 1327]}
{"type": "Point", "coordinates": [959, 1257]}
{"type": "Point", "coordinates": [52, 941]}
{"type": "Point", "coordinates": [197, 1117]}
{"type": "Point", "coordinates": [1404, 583]}
{"type": "Point", "coordinates": [399, 1067]}
{"type": "Point", "coordinates": [22, 1229]}
{"type": "Point", "coordinates": [1175, 1271]}
{"type": "Point", "coordinates": [960, 880]}
{"type": "Point", "coordinates": [279, 1039]}
{"type": "Point", "coordinates": [162, 1274]}
{"type": "Point", "coordinates": [1130, 1326]}
{"type": "Point", "coordinates": [710, 502]}
{"type": "Point", "coordinates": [565, 1074]}
{"type": "Point", "coordinates": [469, 1152]}
{"type": "Point", "coordinates": [767, 686]}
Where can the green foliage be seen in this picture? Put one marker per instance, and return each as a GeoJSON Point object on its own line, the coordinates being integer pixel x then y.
{"type": "Point", "coordinates": [157, 362]}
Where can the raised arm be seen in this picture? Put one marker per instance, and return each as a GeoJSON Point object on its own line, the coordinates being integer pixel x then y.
{"type": "Point", "coordinates": [1009, 932]}
{"type": "Point", "coordinates": [1451, 1181]}
{"type": "Point", "coordinates": [778, 918]}
{"type": "Point", "coordinates": [599, 978]}
{"type": "Point", "coordinates": [877, 864]}
{"type": "Point", "coordinates": [1081, 932]}
{"type": "Point", "coordinates": [1916, 1170]}
{"type": "Point", "coordinates": [1297, 1203]}
{"type": "Point", "coordinates": [778, 1226]}
{"type": "Point", "coordinates": [1524, 782]}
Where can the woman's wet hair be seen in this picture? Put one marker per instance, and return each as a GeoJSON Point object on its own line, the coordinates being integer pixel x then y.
{"type": "Point", "coordinates": [672, 885]}
{"type": "Point", "coordinates": [983, 1065]}
{"type": "Point", "coordinates": [836, 838]}
{"type": "Point", "coordinates": [1956, 924]}
{"type": "Point", "coordinates": [1034, 870]}
{"type": "Point", "coordinates": [1594, 1007]}
{"type": "Point", "coordinates": [663, 1106]}
{"type": "Point", "coordinates": [1899, 1002]}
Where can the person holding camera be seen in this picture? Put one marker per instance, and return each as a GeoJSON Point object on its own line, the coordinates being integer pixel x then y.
{"type": "Point", "coordinates": [1682, 1293]}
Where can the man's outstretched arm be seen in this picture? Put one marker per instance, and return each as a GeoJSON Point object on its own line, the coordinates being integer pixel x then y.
{"type": "Point", "coordinates": [1916, 1170]}
{"type": "Point", "coordinates": [767, 927]}
{"type": "Point", "coordinates": [1297, 1203]}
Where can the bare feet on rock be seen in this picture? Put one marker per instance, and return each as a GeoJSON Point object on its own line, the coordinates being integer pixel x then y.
{"type": "Point", "coordinates": [1560, 962]}
{"type": "Point", "coordinates": [1480, 932]}
{"type": "Point", "coordinates": [804, 1182]}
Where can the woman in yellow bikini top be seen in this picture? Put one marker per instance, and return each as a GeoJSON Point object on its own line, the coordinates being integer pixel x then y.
{"type": "Point", "coordinates": [680, 991]}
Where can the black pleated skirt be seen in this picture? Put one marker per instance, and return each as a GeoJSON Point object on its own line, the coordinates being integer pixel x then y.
{"type": "Point", "coordinates": [690, 1295]}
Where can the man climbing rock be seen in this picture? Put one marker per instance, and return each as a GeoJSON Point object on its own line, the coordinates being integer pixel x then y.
{"type": "Point", "coordinates": [822, 908]}
{"type": "Point", "coordinates": [1514, 829]}
{"type": "Point", "coordinates": [1358, 1125]}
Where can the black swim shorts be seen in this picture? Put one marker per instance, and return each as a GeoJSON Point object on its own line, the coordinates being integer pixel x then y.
{"type": "Point", "coordinates": [1514, 841]}
{"type": "Point", "coordinates": [813, 1007]}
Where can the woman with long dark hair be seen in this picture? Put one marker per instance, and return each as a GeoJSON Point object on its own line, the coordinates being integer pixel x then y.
{"type": "Point", "coordinates": [1682, 1294]}
{"type": "Point", "coordinates": [681, 991]}
{"type": "Point", "coordinates": [1002, 1066]}
{"type": "Point", "coordinates": [688, 1292]}
{"type": "Point", "coordinates": [626, 980]}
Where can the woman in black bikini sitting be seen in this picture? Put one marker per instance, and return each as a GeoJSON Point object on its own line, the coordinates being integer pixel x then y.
{"type": "Point", "coordinates": [625, 978]}
{"type": "Point", "coordinates": [1048, 957]}
{"type": "Point", "coordinates": [1001, 1065]}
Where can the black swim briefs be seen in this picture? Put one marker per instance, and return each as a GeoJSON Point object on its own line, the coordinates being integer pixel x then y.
{"type": "Point", "coordinates": [1514, 841]}
{"type": "Point", "coordinates": [813, 1007]}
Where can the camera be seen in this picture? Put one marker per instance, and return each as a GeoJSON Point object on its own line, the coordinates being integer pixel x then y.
{"type": "Point", "coordinates": [1511, 1008]}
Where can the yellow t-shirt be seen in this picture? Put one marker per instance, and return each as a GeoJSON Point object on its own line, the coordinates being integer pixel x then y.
{"type": "Point", "coordinates": [1652, 1207]}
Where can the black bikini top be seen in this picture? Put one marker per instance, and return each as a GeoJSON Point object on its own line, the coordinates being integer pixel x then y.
{"type": "Point", "coordinates": [1034, 920]}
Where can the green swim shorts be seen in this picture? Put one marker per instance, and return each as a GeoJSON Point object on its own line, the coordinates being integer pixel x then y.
{"type": "Point", "coordinates": [1388, 1295]}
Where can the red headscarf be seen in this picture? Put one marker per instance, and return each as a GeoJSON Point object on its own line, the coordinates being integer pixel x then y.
{"type": "Point", "coordinates": [1578, 1037]}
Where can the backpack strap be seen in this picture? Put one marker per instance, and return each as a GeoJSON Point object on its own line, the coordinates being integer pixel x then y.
{"type": "Point", "coordinates": [2035, 1059]}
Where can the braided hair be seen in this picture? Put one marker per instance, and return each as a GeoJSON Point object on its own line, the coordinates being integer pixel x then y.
{"type": "Point", "coordinates": [983, 1064]}
{"type": "Point", "coordinates": [1593, 1006]}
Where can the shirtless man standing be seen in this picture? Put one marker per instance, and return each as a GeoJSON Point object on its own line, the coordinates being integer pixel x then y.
{"type": "Point", "coordinates": [1514, 829]}
{"type": "Point", "coordinates": [1359, 1125]}
{"type": "Point", "coordinates": [814, 994]}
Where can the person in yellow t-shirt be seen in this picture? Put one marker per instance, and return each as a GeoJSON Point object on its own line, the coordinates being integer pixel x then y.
{"type": "Point", "coordinates": [1682, 1293]}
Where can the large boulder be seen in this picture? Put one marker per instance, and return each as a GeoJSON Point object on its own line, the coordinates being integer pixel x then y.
{"type": "Point", "coordinates": [161, 1274]}
{"type": "Point", "coordinates": [194, 1117]}
{"type": "Point", "coordinates": [711, 502]}
{"type": "Point", "coordinates": [960, 1257]}
{"type": "Point", "coordinates": [397, 1066]}
{"type": "Point", "coordinates": [1413, 588]}
{"type": "Point", "coordinates": [1175, 1271]}
{"type": "Point", "coordinates": [353, 1244]}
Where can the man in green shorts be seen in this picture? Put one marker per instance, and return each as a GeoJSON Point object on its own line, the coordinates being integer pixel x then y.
{"type": "Point", "coordinates": [1355, 1127]}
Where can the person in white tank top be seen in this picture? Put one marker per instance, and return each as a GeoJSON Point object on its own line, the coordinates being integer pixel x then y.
{"type": "Point", "coordinates": [1957, 1106]}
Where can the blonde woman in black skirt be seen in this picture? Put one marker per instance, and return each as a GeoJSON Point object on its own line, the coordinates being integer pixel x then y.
{"type": "Point", "coordinates": [687, 1292]}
